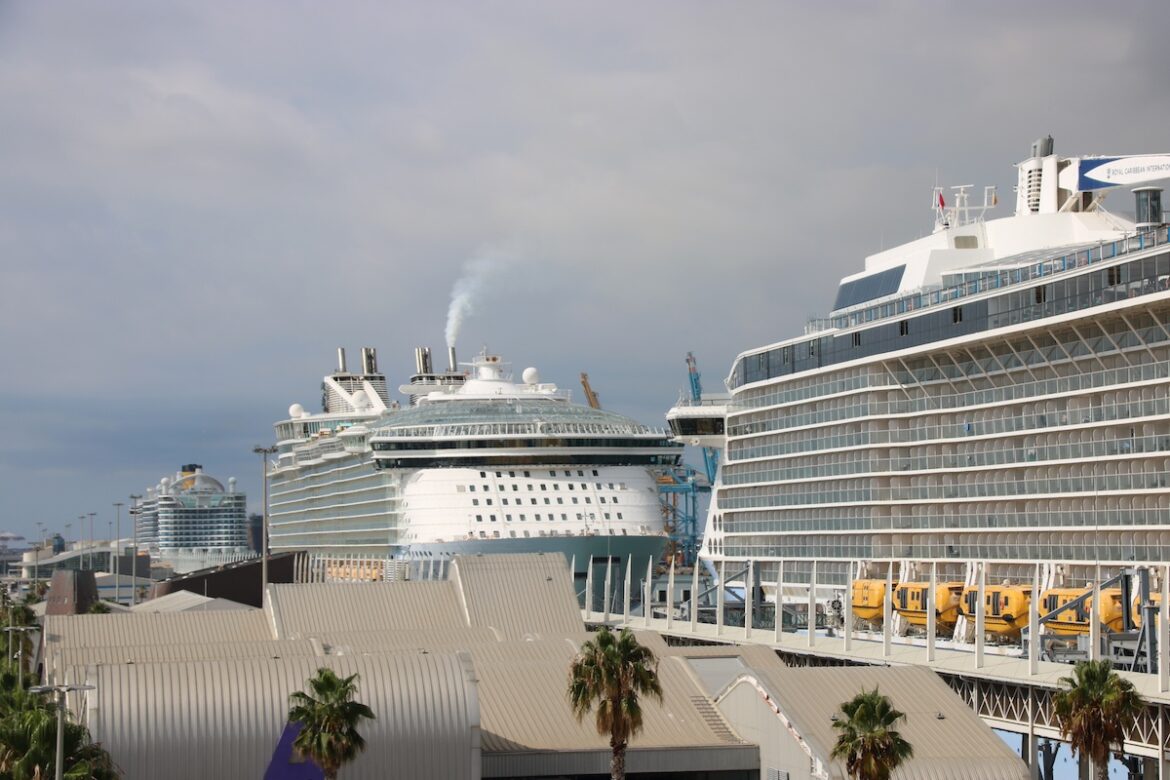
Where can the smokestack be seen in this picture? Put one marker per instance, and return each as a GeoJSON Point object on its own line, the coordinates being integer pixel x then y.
{"type": "Point", "coordinates": [369, 360]}
{"type": "Point", "coordinates": [341, 359]}
{"type": "Point", "coordinates": [451, 358]}
{"type": "Point", "coordinates": [422, 360]}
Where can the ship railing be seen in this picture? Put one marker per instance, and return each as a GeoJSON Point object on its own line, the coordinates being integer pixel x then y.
{"type": "Point", "coordinates": [516, 429]}
{"type": "Point", "coordinates": [938, 295]}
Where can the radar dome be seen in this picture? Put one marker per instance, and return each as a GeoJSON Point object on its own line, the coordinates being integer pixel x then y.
{"type": "Point", "coordinates": [361, 400]}
{"type": "Point", "coordinates": [531, 376]}
{"type": "Point", "coordinates": [295, 411]}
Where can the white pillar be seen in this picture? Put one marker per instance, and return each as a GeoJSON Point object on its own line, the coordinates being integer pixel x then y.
{"type": "Point", "coordinates": [980, 613]}
{"type": "Point", "coordinates": [647, 585]}
{"type": "Point", "coordinates": [1034, 629]}
{"type": "Point", "coordinates": [626, 592]}
{"type": "Point", "coordinates": [695, 597]}
{"type": "Point", "coordinates": [719, 598]}
{"type": "Point", "coordinates": [1164, 634]}
{"type": "Point", "coordinates": [572, 569]}
{"type": "Point", "coordinates": [812, 605]}
{"type": "Point", "coordinates": [670, 597]}
{"type": "Point", "coordinates": [606, 588]}
{"type": "Point", "coordinates": [887, 611]}
{"type": "Point", "coordinates": [931, 602]}
{"type": "Point", "coordinates": [1095, 617]}
{"type": "Point", "coordinates": [589, 590]}
{"type": "Point", "coordinates": [779, 600]}
{"type": "Point", "coordinates": [848, 605]}
{"type": "Point", "coordinates": [749, 593]}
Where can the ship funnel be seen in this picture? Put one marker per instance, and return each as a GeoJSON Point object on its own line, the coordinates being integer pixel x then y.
{"type": "Point", "coordinates": [451, 359]}
{"type": "Point", "coordinates": [422, 360]}
{"type": "Point", "coordinates": [1042, 147]}
{"type": "Point", "coordinates": [1148, 207]}
{"type": "Point", "coordinates": [369, 360]}
{"type": "Point", "coordinates": [341, 359]}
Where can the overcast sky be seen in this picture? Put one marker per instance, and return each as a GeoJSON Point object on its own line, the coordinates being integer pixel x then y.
{"type": "Point", "coordinates": [200, 201]}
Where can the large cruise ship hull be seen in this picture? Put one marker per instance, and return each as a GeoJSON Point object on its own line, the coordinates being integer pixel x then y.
{"type": "Point", "coordinates": [577, 550]}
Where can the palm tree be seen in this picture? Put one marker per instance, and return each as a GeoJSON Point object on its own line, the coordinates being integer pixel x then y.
{"type": "Point", "coordinates": [872, 749]}
{"type": "Point", "coordinates": [28, 747]}
{"type": "Point", "coordinates": [612, 671]}
{"type": "Point", "coordinates": [329, 718]}
{"type": "Point", "coordinates": [1095, 711]}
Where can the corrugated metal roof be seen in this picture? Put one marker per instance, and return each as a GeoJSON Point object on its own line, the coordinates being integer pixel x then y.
{"type": "Point", "coordinates": [389, 640]}
{"type": "Point", "coordinates": [154, 628]}
{"type": "Point", "coordinates": [319, 608]}
{"type": "Point", "coordinates": [522, 596]}
{"type": "Point", "coordinates": [183, 600]}
{"type": "Point", "coordinates": [78, 658]}
{"type": "Point", "coordinates": [525, 706]}
{"type": "Point", "coordinates": [958, 746]}
{"type": "Point", "coordinates": [201, 720]}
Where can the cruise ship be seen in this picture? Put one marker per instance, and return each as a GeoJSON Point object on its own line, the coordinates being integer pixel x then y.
{"type": "Point", "coordinates": [474, 463]}
{"type": "Point", "coordinates": [996, 391]}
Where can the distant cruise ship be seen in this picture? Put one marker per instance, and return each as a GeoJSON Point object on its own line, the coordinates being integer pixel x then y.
{"type": "Point", "coordinates": [997, 390]}
{"type": "Point", "coordinates": [190, 520]}
{"type": "Point", "coordinates": [476, 463]}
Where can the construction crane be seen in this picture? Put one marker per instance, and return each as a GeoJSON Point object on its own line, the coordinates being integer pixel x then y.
{"type": "Point", "coordinates": [710, 454]}
{"type": "Point", "coordinates": [590, 396]}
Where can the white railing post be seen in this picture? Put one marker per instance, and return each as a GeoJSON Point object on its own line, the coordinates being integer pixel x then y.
{"type": "Point", "coordinates": [1034, 625]}
{"type": "Point", "coordinates": [589, 590]}
{"type": "Point", "coordinates": [779, 601]}
{"type": "Point", "coordinates": [749, 600]}
{"type": "Point", "coordinates": [719, 598]}
{"type": "Point", "coordinates": [812, 605]}
{"type": "Point", "coordinates": [626, 594]}
{"type": "Point", "coordinates": [670, 597]}
{"type": "Point", "coordinates": [931, 605]}
{"type": "Point", "coordinates": [980, 613]}
{"type": "Point", "coordinates": [848, 609]}
{"type": "Point", "coordinates": [888, 611]}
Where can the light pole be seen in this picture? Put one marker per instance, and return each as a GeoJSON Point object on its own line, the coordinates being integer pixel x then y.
{"type": "Point", "coordinates": [118, 552]}
{"type": "Point", "coordinates": [264, 452]}
{"type": "Point", "coordinates": [80, 531]}
{"type": "Point", "coordinates": [60, 690]}
{"type": "Point", "coordinates": [22, 630]}
{"type": "Point", "coordinates": [92, 515]}
{"type": "Point", "coordinates": [134, 511]}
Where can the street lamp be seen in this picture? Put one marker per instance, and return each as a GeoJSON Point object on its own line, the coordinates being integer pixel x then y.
{"type": "Point", "coordinates": [19, 649]}
{"type": "Point", "coordinates": [92, 515]}
{"type": "Point", "coordinates": [134, 512]}
{"type": "Point", "coordinates": [61, 691]}
{"type": "Point", "coordinates": [264, 452]}
{"type": "Point", "coordinates": [80, 531]}
{"type": "Point", "coordinates": [118, 552]}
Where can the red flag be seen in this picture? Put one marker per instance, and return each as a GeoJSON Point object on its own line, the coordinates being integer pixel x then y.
{"type": "Point", "coordinates": [942, 204]}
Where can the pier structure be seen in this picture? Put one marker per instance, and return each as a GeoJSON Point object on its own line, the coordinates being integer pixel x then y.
{"type": "Point", "coordinates": [1010, 685]}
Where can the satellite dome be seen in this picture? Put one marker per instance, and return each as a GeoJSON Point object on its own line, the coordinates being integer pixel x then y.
{"type": "Point", "coordinates": [531, 376]}
{"type": "Point", "coordinates": [361, 400]}
{"type": "Point", "coordinates": [295, 411]}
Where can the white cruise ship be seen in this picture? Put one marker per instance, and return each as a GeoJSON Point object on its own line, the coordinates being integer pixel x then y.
{"type": "Point", "coordinates": [998, 390]}
{"type": "Point", "coordinates": [474, 463]}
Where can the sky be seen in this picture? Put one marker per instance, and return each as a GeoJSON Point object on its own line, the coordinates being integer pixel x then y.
{"type": "Point", "coordinates": [199, 202]}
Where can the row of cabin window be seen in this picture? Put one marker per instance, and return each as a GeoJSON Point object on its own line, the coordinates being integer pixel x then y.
{"type": "Point", "coordinates": [551, 517]}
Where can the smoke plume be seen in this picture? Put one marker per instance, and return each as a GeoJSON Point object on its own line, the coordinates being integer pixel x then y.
{"type": "Point", "coordinates": [470, 287]}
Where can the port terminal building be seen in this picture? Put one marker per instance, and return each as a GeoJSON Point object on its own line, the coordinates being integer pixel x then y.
{"type": "Point", "coordinates": [468, 678]}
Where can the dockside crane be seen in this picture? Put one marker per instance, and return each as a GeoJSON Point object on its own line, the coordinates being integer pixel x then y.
{"type": "Point", "coordinates": [590, 396]}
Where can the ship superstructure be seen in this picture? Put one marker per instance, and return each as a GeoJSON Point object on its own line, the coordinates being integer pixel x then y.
{"type": "Point", "coordinates": [191, 519]}
{"type": "Point", "coordinates": [476, 463]}
{"type": "Point", "coordinates": [998, 390]}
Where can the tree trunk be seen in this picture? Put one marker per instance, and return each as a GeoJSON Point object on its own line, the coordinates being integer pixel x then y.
{"type": "Point", "coordinates": [617, 764]}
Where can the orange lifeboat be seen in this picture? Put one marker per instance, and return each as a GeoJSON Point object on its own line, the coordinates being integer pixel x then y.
{"type": "Point", "coordinates": [1072, 621]}
{"type": "Point", "coordinates": [1005, 607]}
{"type": "Point", "coordinates": [868, 599]}
{"type": "Point", "coordinates": [911, 600]}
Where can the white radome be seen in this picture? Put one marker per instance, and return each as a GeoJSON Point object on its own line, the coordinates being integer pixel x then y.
{"type": "Point", "coordinates": [531, 376]}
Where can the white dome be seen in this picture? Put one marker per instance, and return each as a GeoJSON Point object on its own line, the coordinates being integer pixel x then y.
{"type": "Point", "coordinates": [361, 400]}
{"type": "Point", "coordinates": [531, 376]}
{"type": "Point", "coordinates": [295, 411]}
